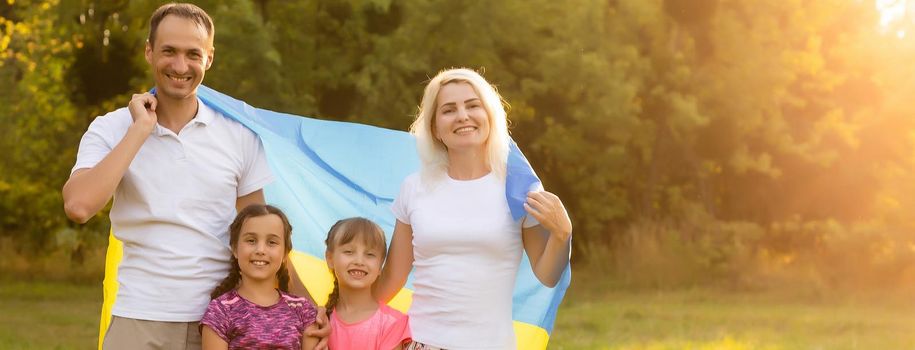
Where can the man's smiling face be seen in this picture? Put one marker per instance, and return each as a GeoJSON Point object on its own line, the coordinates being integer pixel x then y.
{"type": "Point", "coordinates": [179, 56]}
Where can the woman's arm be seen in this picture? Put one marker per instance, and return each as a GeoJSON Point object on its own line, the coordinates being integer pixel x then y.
{"type": "Point", "coordinates": [398, 264]}
{"type": "Point", "coordinates": [548, 245]}
{"type": "Point", "coordinates": [212, 341]}
{"type": "Point", "coordinates": [309, 343]}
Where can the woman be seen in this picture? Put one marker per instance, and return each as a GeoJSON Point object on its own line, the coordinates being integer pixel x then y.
{"type": "Point", "coordinates": [454, 225]}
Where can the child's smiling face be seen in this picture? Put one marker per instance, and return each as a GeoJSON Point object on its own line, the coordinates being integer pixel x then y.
{"type": "Point", "coordinates": [355, 264]}
{"type": "Point", "coordinates": [261, 248]}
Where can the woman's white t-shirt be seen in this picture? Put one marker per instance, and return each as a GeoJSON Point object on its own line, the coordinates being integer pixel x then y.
{"type": "Point", "coordinates": [466, 251]}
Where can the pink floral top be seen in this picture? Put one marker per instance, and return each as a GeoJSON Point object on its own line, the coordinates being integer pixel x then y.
{"type": "Point", "coordinates": [246, 325]}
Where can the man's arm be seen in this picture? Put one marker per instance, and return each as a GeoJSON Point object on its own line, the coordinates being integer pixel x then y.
{"type": "Point", "coordinates": [210, 340]}
{"type": "Point", "coordinates": [296, 286]}
{"type": "Point", "coordinates": [88, 190]}
{"type": "Point", "coordinates": [256, 197]}
{"type": "Point", "coordinates": [320, 330]}
{"type": "Point", "coordinates": [309, 342]}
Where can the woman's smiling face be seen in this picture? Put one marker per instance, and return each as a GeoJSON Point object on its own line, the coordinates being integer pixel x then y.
{"type": "Point", "coordinates": [461, 120]}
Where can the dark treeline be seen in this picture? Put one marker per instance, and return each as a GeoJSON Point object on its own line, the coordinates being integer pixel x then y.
{"type": "Point", "coordinates": [696, 135]}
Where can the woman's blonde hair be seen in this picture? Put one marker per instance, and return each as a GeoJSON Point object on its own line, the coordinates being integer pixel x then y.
{"type": "Point", "coordinates": [432, 152]}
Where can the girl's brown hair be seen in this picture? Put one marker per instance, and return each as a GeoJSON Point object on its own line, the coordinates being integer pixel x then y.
{"type": "Point", "coordinates": [254, 210]}
{"type": "Point", "coordinates": [345, 231]}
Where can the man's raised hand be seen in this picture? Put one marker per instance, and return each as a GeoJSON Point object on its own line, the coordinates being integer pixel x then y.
{"type": "Point", "coordinates": [143, 111]}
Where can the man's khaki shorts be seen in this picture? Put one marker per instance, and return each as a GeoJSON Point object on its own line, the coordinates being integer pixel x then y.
{"type": "Point", "coordinates": [128, 333]}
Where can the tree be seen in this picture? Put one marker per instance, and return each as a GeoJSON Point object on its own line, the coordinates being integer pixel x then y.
{"type": "Point", "coordinates": [39, 120]}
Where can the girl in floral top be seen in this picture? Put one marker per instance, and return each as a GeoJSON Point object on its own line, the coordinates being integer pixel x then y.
{"type": "Point", "coordinates": [247, 310]}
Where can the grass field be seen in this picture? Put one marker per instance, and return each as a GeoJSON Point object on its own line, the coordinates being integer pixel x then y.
{"type": "Point", "coordinates": [712, 319]}
{"type": "Point", "coordinates": [46, 315]}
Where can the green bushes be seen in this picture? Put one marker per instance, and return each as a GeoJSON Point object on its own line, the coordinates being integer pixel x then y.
{"type": "Point", "coordinates": [76, 260]}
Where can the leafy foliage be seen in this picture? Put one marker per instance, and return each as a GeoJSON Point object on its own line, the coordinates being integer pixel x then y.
{"type": "Point", "coordinates": [40, 125]}
{"type": "Point", "coordinates": [745, 114]}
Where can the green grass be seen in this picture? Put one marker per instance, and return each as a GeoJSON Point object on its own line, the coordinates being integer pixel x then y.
{"type": "Point", "coordinates": [710, 319]}
{"type": "Point", "coordinates": [49, 315]}
{"type": "Point", "coordinates": [59, 315]}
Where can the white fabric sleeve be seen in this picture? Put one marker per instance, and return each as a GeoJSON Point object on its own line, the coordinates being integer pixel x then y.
{"type": "Point", "coordinates": [255, 172]}
{"type": "Point", "coordinates": [400, 207]}
{"type": "Point", "coordinates": [95, 144]}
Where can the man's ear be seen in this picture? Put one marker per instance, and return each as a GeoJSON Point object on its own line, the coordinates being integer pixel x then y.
{"type": "Point", "coordinates": [148, 53]}
{"type": "Point", "coordinates": [210, 55]}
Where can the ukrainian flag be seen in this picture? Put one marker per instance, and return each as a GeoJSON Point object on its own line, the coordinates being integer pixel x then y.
{"type": "Point", "coordinates": [326, 171]}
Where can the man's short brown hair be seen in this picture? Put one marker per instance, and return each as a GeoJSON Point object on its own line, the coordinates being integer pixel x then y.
{"type": "Point", "coordinates": [183, 10]}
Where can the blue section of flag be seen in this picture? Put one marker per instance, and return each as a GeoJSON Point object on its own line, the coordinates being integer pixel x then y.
{"type": "Point", "coordinates": [519, 179]}
{"type": "Point", "coordinates": [328, 170]}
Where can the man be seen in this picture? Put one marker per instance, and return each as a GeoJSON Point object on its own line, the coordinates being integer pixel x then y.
{"type": "Point", "coordinates": [178, 172]}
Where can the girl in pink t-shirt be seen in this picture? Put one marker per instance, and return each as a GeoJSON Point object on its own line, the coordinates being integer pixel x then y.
{"type": "Point", "coordinates": [247, 310]}
{"type": "Point", "coordinates": [355, 251]}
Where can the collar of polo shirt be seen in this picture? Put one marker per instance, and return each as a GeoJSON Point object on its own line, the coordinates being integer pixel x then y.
{"type": "Point", "coordinates": [204, 116]}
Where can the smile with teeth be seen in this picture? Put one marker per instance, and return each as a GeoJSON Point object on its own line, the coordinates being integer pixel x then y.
{"type": "Point", "coordinates": [357, 273]}
{"type": "Point", "coordinates": [178, 79]}
{"type": "Point", "coordinates": [464, 130]}
{"type": "Point", "coordinates": [259, 263]}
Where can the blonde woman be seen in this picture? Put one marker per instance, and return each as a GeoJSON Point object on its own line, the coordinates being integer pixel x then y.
{"type": "Point", "coordinates": [454, 225]}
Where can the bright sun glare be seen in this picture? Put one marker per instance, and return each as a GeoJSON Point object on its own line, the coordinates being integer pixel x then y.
{"type": "Point", "coordinates": [890, 12]}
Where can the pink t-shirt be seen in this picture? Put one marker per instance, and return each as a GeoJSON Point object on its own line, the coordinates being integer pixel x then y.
{"type": "Point", "coordinates": [246, 325]}
{"type": "Point", "coordinates": [386, 329]}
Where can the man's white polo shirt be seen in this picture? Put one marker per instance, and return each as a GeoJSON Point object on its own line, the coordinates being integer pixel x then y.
{"type": "Point", "coordinates": [173, 207]}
